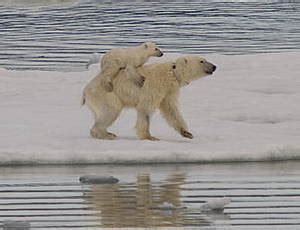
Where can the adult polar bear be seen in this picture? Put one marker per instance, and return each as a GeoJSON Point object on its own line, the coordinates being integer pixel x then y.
{"type": "Point", "coordinates": [160, 91]}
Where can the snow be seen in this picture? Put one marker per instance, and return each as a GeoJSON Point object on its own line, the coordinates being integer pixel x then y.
{"type": "Point", "coordinates": [247, 111]}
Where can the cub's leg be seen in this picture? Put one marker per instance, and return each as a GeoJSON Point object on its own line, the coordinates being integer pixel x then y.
{"type": "Point", "coordinates": [109, 71]}
{"type": "Point", "coordinates": [133, 75]}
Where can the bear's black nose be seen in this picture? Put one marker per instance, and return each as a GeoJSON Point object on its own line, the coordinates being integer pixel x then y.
{"type": "Point", "coordinates": [214, 68]}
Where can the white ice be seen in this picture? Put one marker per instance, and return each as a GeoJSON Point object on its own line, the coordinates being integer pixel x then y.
{"type": "Point", "coordinates": [215, 204]}
{"type": "Point", "coordinates": [248, 110]}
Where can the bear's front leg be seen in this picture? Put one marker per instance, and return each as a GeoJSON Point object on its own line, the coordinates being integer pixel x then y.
{"type": "Point", "coordinates": [171, 113]}
{"type": "Point", "coordinates": [186, 134]}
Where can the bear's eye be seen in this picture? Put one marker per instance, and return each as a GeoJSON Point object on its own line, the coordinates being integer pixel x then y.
{"type": "Point", "coordinates": [201, 61]}
{"type": "Point", "coordinates": [156, 49]}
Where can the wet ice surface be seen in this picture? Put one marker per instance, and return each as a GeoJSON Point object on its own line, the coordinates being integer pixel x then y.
{"type": "Point", "coordinates": [46, 36]}
{"type": "Point", "coordinates": [263, 196]}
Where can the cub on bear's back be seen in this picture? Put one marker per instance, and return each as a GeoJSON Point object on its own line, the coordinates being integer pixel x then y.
{"type": "Point", "coordinates": [160, 91]}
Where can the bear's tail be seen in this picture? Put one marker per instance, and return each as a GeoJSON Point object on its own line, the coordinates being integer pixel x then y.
{"type": "Point", "coordinates": [83, 99]}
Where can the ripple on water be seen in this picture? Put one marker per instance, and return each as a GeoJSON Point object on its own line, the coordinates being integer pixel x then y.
{"type": "Point", "coordinates": [81, 28]}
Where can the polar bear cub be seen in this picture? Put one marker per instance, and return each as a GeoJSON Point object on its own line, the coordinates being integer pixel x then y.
{"type": "Point", "coordinates": [116, 59]}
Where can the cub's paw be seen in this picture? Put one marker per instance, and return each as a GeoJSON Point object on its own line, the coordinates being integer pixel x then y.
{"type": "Point", "coordinates": [186, 134]}
{"type": "Point", "coordinates": [140, 82]}
{"type": "Point", "coordinates": [108, 86]}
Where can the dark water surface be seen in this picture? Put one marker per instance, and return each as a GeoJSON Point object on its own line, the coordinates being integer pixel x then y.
{"type": "Point", "coordinates": [263, 196]}
{"type": "Point", "coordinates": [38, 34]}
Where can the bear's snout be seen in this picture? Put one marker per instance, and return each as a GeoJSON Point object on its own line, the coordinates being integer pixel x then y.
{"type": "Point", "coordinates": [214, 68]}
{"type": "Point", "coordinates": [160, 54]}
{"type": "Point", "coordinates": [210, 68]}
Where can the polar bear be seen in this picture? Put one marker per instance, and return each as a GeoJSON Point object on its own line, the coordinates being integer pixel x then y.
{"type": "Point", "coordinates": [160, 91]}
{"type": "Point", "coordinates": [119, 58]}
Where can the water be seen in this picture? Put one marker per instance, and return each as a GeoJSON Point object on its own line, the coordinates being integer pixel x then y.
{"type": "Point", "coordinates": [60, 35]}
{"type": "Point", "coordinates": [263, 196]}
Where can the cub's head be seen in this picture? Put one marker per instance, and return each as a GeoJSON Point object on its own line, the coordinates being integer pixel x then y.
{"type": "Point", "coordinates": [190, 68]}
{"type": "Point", "coordinates": [152, 49]}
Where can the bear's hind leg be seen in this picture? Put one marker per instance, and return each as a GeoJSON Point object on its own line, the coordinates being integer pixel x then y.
{"type": "Point", "coordinates": [100, 133]}
{"type": "Point", "coordinates": [104, 118]}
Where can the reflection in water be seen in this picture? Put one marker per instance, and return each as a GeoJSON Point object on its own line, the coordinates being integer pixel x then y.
{"type": "Point", "coordinates": [263, 196]}
{"type": "Point", "coordinates": [138, 205]}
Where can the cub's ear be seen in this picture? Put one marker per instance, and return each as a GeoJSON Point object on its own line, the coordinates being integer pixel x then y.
{"type": "Point", "coordinates": [145, 46]}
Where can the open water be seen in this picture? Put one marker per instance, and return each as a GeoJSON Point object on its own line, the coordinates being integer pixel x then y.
{"type": "Point", "coordinates": [62, 34]}
{"type": "Point", "coordinates": [263, 196]}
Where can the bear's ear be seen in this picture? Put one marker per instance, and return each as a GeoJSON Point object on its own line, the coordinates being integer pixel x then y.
{"type": "Point", "coordinates": [145, 46]}
{"type": "Point", "coordinates": [181, 62]}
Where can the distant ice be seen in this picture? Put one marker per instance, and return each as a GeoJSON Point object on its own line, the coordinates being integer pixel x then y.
{"type": "Point", "coordinates": [248, 110]}
{"type": "Point", "coordinates": [215, 204]}
{"type": "Point", "coordinates": [93, 59]}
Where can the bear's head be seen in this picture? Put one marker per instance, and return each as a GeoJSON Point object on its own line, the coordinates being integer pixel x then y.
{"type": "Point", "coordinates": [190, 68]}
{"type": "Point", "coordinates": [152, 49]}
